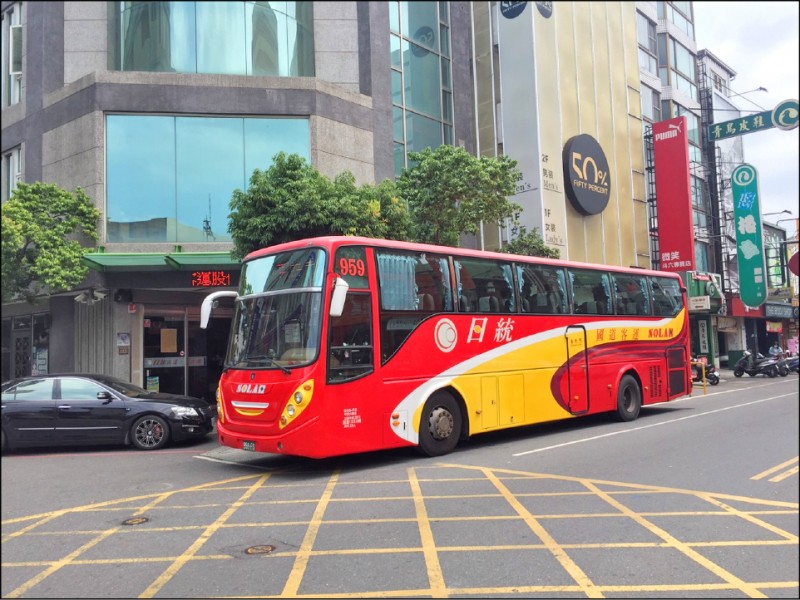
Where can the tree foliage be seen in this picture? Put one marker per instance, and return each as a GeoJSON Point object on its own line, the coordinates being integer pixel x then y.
{"type": "Point", "coordinates": [450, 192]}
{"type": "Point", "coordinates": [529, 243]}
{"type": "Point", "coordinates": [291, 200]}
{"type": "Point", "coordinates": [41, 251]}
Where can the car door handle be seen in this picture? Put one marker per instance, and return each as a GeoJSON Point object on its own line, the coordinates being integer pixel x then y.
{"type": "Point", "coordinates": [64, 406]}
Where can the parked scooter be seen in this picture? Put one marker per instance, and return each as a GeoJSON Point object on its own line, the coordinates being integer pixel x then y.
{"type": "Point", "coordinates": [783, 365]}
{"type": "Point", "coordinates": [760, 365]}
{"type": "Point", "coordinates": [712, 376]}
{"type": "Point", "coordinates": [793, 363]}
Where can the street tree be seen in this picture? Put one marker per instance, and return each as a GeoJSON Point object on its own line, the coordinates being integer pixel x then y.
{"type": "Point", "coordinates": [43, 227]}
{"type": "Point", "coordinates": [450, 192]}
{"type": "Point", "coordinates": [291, 200]}
{"type": "Point", "coordinates": [528, 243]}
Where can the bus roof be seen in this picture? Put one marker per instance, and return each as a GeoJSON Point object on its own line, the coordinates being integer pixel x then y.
{"type": "Point", "coordinates": [334, 241]}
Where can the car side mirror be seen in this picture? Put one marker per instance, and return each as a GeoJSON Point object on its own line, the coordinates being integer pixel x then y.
{"type": "Point", "coordinates": [105, 396]}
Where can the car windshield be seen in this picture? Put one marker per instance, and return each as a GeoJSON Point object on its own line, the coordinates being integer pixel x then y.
{"type": "Point", "coordinates": [277, 320]}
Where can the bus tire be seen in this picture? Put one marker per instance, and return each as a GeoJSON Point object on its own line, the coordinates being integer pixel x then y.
{"type": "Point", "coordinates": [629, 399]}
{"type": "Point", "coordinates": [440, 426]}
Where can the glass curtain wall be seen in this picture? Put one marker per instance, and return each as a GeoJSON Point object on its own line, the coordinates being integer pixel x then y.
{"type": "Point", "coordinates": [229, 38]}
{"type": "Point", "coordinates": [422, 96]}
{"type": "Point", "coordinates": [171, 179]}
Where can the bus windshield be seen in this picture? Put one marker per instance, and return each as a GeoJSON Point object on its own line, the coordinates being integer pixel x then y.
{"type": "Point", "coordinates": [277, 321]}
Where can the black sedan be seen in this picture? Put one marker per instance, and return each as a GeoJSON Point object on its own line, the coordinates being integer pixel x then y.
{"type": "Point", "coordinates": [75, 409]}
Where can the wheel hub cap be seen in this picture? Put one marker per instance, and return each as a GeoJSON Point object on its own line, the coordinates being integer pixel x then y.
{"type": "Point", "coordinates": [441, 423]}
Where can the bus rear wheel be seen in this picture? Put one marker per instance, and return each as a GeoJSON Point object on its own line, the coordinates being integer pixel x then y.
{"type": "Point", "coordinates": [629, 399]}
{"type": "Point", "coordinates": [440, 426]}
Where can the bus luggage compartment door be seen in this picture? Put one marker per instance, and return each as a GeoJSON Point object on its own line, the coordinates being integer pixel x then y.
{"type": "Point", "coordinates": [577, 369]}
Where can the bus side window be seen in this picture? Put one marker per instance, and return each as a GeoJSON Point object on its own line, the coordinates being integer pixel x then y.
{"type": "Point", "coordinates": [631, 295]}
{"type": "Point", "coordinates": [542, 289]}
{"type": "Point", "coordinates": [350, 340]}
{"type": "Point", "coordinates": [666, 296]}
{"type": "Point", "coordinates": [484, 285]}
{"type": "Point", "coordinates": [590, 292]}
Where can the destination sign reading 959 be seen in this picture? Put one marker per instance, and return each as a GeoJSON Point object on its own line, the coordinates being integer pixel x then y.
{"type": "Point", "coordinates": [350, 263]}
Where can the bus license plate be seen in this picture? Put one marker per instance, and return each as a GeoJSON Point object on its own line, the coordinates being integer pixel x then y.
{"type": "Point", "coordinates": [251, 446]}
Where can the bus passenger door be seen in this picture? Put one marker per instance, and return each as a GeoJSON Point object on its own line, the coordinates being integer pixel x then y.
{"type": "Point", "coordinates": [577, 370]}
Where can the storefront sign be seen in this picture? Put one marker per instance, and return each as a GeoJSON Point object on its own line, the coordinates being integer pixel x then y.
{"type": "Point", "coordinates": [545, 9]}
{"type": "Point", "coordinates": [749, 236]}
{"type": "Point", "coordinates": [123, 343]}
{"type": "Point", "coordinates": [702, 332]}
{"type": "Point", "coordinates": [673, 195]}
{"type": "Point", "coordinates": [511, 9]}
{"type": "Point", "coordinates": [211, 279]}
{"type": "Point", "coordinates": [699, 303]}
{"type": "Point", "coordinates": [164, 361]}
{"type": "Point", "coordinates": [774, 327]}
{"type": "Point", "coordinates": [778, 311]}
{"type": "Point", "coordinates": [587, 180]}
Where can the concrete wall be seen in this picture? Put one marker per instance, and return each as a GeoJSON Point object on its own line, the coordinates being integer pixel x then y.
{"type": "Point", "coordinates": [336, 42]}
{"type": "Point", "coordinates": [85, 39]}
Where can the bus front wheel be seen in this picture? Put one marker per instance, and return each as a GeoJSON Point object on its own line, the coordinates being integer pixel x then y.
{"type": "Point", "coordinates": [440, 427]}
{"type": "Point", "coordinates": [629, 399]}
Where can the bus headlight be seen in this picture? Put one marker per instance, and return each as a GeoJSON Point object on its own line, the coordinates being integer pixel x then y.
{"type": "Point", "coordinates": [220, 412]}
{"type": "Point", "coordinates": [297, 402]}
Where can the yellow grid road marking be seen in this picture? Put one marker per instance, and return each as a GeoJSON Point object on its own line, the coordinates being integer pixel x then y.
{"type": "Point", "coordinates": [304, 553]}
{"type": "Point", "coordinates": [772, 470]}
{"type": "Point", "coordinates": [435, 576]}
{"type": "Point", "coordinates": [162, 579]}
{"type": "Point", "coordinates": [613, 493]}
{"type": "Point", "coordinates": [585, 584]}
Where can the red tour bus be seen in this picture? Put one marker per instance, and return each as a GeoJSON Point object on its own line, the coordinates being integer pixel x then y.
{"type": "Point", "coordinates": [348, 344]}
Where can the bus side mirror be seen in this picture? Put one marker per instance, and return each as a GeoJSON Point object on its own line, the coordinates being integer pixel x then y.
{"type": "Point", "coordinates": [337, 300]}
{"type": "Point", "coordinates": [208, 304]}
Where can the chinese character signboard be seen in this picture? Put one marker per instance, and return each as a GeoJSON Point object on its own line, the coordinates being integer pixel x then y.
{"type": "Point", "coordinates": [740, 126]}
{"type": "Point", "coordinates": [783, 116]}
{"type": "Point", "coordinates": [749, 236]}
{"type": "Point", "coordinates": [673, 195]}
{"type": "Point", "coordinates": [211, 279]}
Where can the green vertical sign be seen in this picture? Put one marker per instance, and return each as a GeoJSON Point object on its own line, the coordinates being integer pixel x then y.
{"type": "Point", "coordinates": [749, 237]}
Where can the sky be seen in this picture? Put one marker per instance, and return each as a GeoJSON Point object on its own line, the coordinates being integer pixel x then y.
{"type": "Point", "coordinates": [759, 40]}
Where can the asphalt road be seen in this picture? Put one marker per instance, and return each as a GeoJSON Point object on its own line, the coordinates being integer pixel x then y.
{"type": "Point", "coordinates": [696, 498]}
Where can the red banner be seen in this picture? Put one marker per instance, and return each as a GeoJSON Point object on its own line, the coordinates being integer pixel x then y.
{"type": "Point", "coordinates": [673, 195]}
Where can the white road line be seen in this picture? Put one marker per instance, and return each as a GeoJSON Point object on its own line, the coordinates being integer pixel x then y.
{"type": "Point", "coordinates": [671, 421]}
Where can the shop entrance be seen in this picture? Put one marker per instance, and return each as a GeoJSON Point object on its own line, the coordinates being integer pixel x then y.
{"type": "Point", "coordinates": [179, 356]}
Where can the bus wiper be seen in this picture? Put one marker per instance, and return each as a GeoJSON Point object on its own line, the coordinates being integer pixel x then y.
{"type": "Point", "coordinates": [265, 360]}
{"type": "Point", "coordinates": [283, 368]}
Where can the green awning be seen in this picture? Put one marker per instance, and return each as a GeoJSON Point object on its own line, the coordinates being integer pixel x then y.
{"type": "Point", "coordinates": [193, 260]}
{"type": "Point", "coordinates": [158, 261]}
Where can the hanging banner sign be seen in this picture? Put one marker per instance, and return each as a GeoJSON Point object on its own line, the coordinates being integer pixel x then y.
{"type": "Point", "coordinates": [749, 236]}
